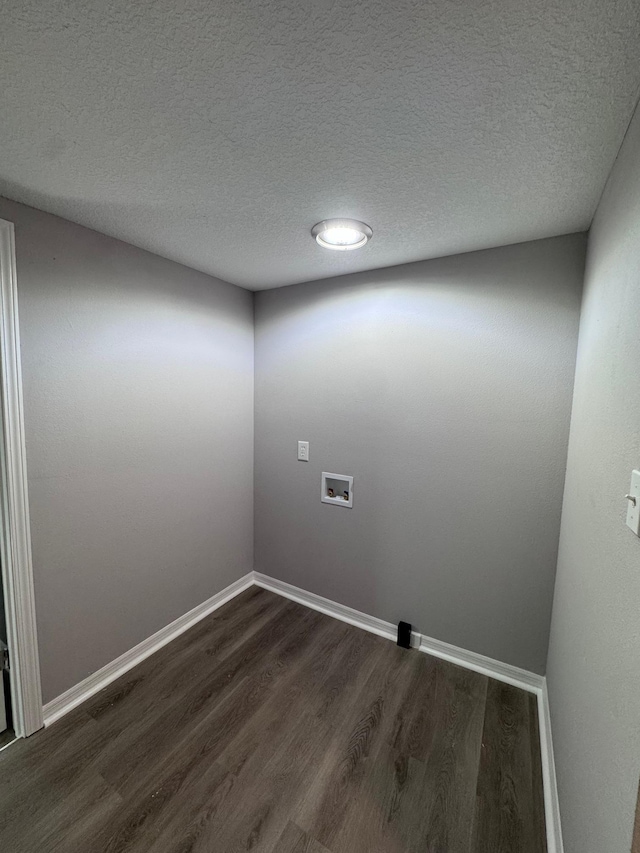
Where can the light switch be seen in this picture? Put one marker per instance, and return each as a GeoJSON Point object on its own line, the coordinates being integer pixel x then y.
{"type": "Point", "coordinates": [633, 503]}
{"type": "Point", "coordinates": [303, 451]}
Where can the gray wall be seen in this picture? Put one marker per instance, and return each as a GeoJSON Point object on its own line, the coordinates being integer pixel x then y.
{"type": "Point", "coordinates": [445, 388]}
{"type": "Point", "coordinates": [594, 653]}
{"type": "Point", "coordinates": [138, 383]}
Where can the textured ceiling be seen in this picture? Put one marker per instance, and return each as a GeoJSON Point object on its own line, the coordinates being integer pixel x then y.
{"type": "Point", "coordinates": [219, 133]}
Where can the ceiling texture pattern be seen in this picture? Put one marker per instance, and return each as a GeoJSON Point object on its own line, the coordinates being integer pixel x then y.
{"type": "Point", "coordinates": [218, 133]}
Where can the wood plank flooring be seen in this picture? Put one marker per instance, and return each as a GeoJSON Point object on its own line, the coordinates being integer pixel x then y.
{"type": "Point", "coordinates": [270, 727]}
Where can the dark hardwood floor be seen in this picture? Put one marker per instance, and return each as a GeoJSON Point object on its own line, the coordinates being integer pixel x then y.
{"type": "Point", "coordinates": [271, 727]}
{"type": "Point", "coordinates": [6, 737]}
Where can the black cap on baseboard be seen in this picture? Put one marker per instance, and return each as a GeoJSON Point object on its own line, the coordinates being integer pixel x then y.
{"type": "Point", "coordinates": [404, 635]}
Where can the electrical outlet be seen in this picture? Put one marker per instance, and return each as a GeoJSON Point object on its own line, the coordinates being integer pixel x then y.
{"type": "Point", "coordinates": [303, 451]}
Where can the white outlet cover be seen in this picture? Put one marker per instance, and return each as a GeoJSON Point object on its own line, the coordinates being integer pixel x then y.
{"type": "Point", "coordinates": [303, 451]}
{"type": "Point", "coordinates": [633, 510]}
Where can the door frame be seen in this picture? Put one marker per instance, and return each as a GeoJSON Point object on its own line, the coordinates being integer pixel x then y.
{"type": "Point", "coordinates": [15, 527]}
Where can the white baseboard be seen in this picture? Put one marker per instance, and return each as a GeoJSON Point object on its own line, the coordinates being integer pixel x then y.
{"type": "Point", "coordinates": [522, 678]}
{"type": "Point", "coordinates": [91, 685]}
{"type": "Point", "coordinates": [470, 660]}
{"type": "Point", "coordinates": [551, 801]}
{"type": "Point", "coordinates": [332, 608]}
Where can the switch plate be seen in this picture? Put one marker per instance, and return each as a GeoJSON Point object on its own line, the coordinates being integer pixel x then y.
{"type": "Point", "coordinates": [303, 451]}
{"type": "Point", "coordinates": [633, 507]}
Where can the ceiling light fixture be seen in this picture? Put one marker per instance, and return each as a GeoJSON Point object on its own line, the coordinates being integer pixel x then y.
{"type": "Point", "coordinates": [341, 234]}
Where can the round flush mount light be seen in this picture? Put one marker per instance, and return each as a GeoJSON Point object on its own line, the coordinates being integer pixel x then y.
{"type": "Point", "coordinates": [341, 234]}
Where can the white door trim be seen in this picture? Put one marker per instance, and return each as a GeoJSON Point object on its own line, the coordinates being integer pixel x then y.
{"type": "Point", "coordinates": [15, 543]}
